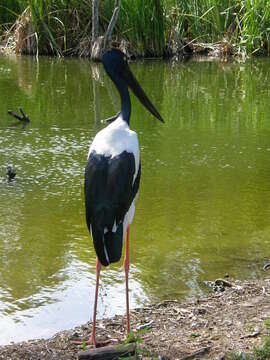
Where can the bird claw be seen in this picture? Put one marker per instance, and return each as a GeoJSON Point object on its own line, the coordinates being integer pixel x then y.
{"type": "Point", "coordinates": [90, 341]}
{"type": "Point", "coordinates": [85, 343]}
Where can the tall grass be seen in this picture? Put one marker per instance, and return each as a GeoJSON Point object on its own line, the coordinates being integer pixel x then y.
{"type": "Point", "coordinates": [9, 11]}
{"type": "Point", "coordinates": [148, 25]}
{"type": "Point", "coordinates": [246, 23]}
{"type": "Point", "coordinates": [42, 20]}
{"type": "Point", "coordinates": [60, 23]}
{"type": "Point", "coordinates": [206, 19]}
{"type": "Point", "coordinates": [254, 25]}
{"type": "Point", "coordinates": [141, 22]}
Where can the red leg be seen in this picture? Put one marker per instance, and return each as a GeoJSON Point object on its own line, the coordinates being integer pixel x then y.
{"type": "Point", "coordinates": [126, 267]}
{"type": "Point", "coordinates": [92, 339]}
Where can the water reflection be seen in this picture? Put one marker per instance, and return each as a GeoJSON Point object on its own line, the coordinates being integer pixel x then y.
{"type": "Point", "coordinates": [203, 208]}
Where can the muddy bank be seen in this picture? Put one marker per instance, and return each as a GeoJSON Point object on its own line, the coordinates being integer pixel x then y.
{"type": "Point", "coordinates": [209, 328]}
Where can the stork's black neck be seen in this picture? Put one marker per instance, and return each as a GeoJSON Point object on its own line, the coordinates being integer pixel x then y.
{"type": "Point", "coordinates": [125, 100]}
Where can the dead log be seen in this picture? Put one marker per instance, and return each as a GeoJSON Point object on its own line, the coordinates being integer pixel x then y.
{"type": "Point", "coordinates": [23, 117]}
{"type": "Point", "coordinates": [108, 34]}
{"type": "Point", "coordinates": [100, 44]}
{"type": "Point", "coordinates": [108, 352]}
{"type": "Point", "coordinates": [95, 23]}
{"type": "Point", "coordinates": [251, 335]}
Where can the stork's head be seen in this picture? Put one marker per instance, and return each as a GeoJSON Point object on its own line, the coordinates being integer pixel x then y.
{"type": "Point", "coordinates": [116, 66]}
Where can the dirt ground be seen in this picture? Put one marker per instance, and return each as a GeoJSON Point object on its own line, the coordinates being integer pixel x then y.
{"type": "Point", "coordinates": [230, 319]}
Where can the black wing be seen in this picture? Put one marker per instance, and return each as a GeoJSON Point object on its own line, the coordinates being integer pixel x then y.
{"type": "Point", "coordinates": [109, 192]}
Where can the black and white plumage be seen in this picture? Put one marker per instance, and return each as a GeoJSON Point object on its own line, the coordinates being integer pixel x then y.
{"type": "Point", "coordinates": [112, 176]}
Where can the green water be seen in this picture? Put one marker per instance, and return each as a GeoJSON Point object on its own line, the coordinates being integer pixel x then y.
{"type": "Point", "coordinates": [204, 204]}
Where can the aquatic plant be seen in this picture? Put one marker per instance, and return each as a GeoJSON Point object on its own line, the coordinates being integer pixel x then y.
{"type": "Point", "coordinates": [10, 10]}
{"type": "Point", "coordinates": [59, 24]}
{"type": "Point", "coordinates": [141, 23]}
{"type": "Point", "coordinates": [63, 27]}
{"type": "Point", "coordinates": [244, 23]}
{"type": "Point", "coordinates": [254, 25]}
{"type": "Point", "coordinates": [145, 30]}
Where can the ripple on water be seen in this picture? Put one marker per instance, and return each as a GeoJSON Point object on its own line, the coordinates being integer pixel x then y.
{"type": "Point", "coordinates": [204, 200]}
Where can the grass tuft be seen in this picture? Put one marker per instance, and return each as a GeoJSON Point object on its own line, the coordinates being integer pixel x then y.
{"type": "Point", "coordinates": [148, 25]}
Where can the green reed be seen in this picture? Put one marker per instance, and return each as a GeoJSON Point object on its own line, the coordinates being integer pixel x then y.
{"type": "Point", "coordinates": [61, 25]}
{"type": "Point", "coordinates": [145, 20]}
{"type": "Point", "coordinates": [141, 22]}
{"type": "Point", "coordinates": [254, 25]}
{"type": "Point", "coordinates": [205, 19]}
{"type": "Point", "coordinates": [9, 11]}
{"type": "Point", "coordinates": [245, 23]}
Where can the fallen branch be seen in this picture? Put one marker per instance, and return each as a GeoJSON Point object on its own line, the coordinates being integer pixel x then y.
{"type": "Point", "coordinates": [251, 335]}
{"type": "Point", "coordinates": [196, 353]}
{"type": "Point", "coordinates": [108, 352]}
{"type": "Point", "coordinates": [23, 117]}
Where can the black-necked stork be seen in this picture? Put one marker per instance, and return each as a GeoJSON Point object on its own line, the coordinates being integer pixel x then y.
{"type": "Point", "coordinates": [112, 176]}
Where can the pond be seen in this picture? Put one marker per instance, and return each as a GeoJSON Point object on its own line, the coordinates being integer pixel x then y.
{"type": "Point", "coordinates": [204, 204]}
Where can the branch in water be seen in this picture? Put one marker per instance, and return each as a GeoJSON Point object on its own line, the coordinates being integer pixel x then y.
{"type": "Point", "coordinates": [23, 117]}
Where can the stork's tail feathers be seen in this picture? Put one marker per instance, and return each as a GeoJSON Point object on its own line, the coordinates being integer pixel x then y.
{"type": "Point", "coordinates": [108, 245]}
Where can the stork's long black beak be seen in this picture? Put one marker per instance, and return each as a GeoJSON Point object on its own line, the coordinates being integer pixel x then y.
{"type": "Point", "coordinates": [138, 91]}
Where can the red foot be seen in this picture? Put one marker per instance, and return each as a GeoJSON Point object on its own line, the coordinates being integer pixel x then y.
{"type": "Point", "coordinates": [97, 345]}
{"type": "Point", "coordinates": [91, 341]}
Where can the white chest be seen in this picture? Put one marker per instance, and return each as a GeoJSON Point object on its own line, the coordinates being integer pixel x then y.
{"type": "Point", "coordinates": [115, 139]}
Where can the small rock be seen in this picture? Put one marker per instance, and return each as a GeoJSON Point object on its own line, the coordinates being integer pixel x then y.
{"type": "Point", "coordinates": [200, 311]}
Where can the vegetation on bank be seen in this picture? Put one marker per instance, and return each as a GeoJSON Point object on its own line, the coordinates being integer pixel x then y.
{"type": "Point", "coordinates": [261, 352]}
{"type": "Point", "coordinates": [150, 27]}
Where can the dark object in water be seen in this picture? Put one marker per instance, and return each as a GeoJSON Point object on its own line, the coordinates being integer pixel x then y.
{"type": "Point", "coordinates": [23, 117]}
{"type": "Point", "coordinates": [10, 173]}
